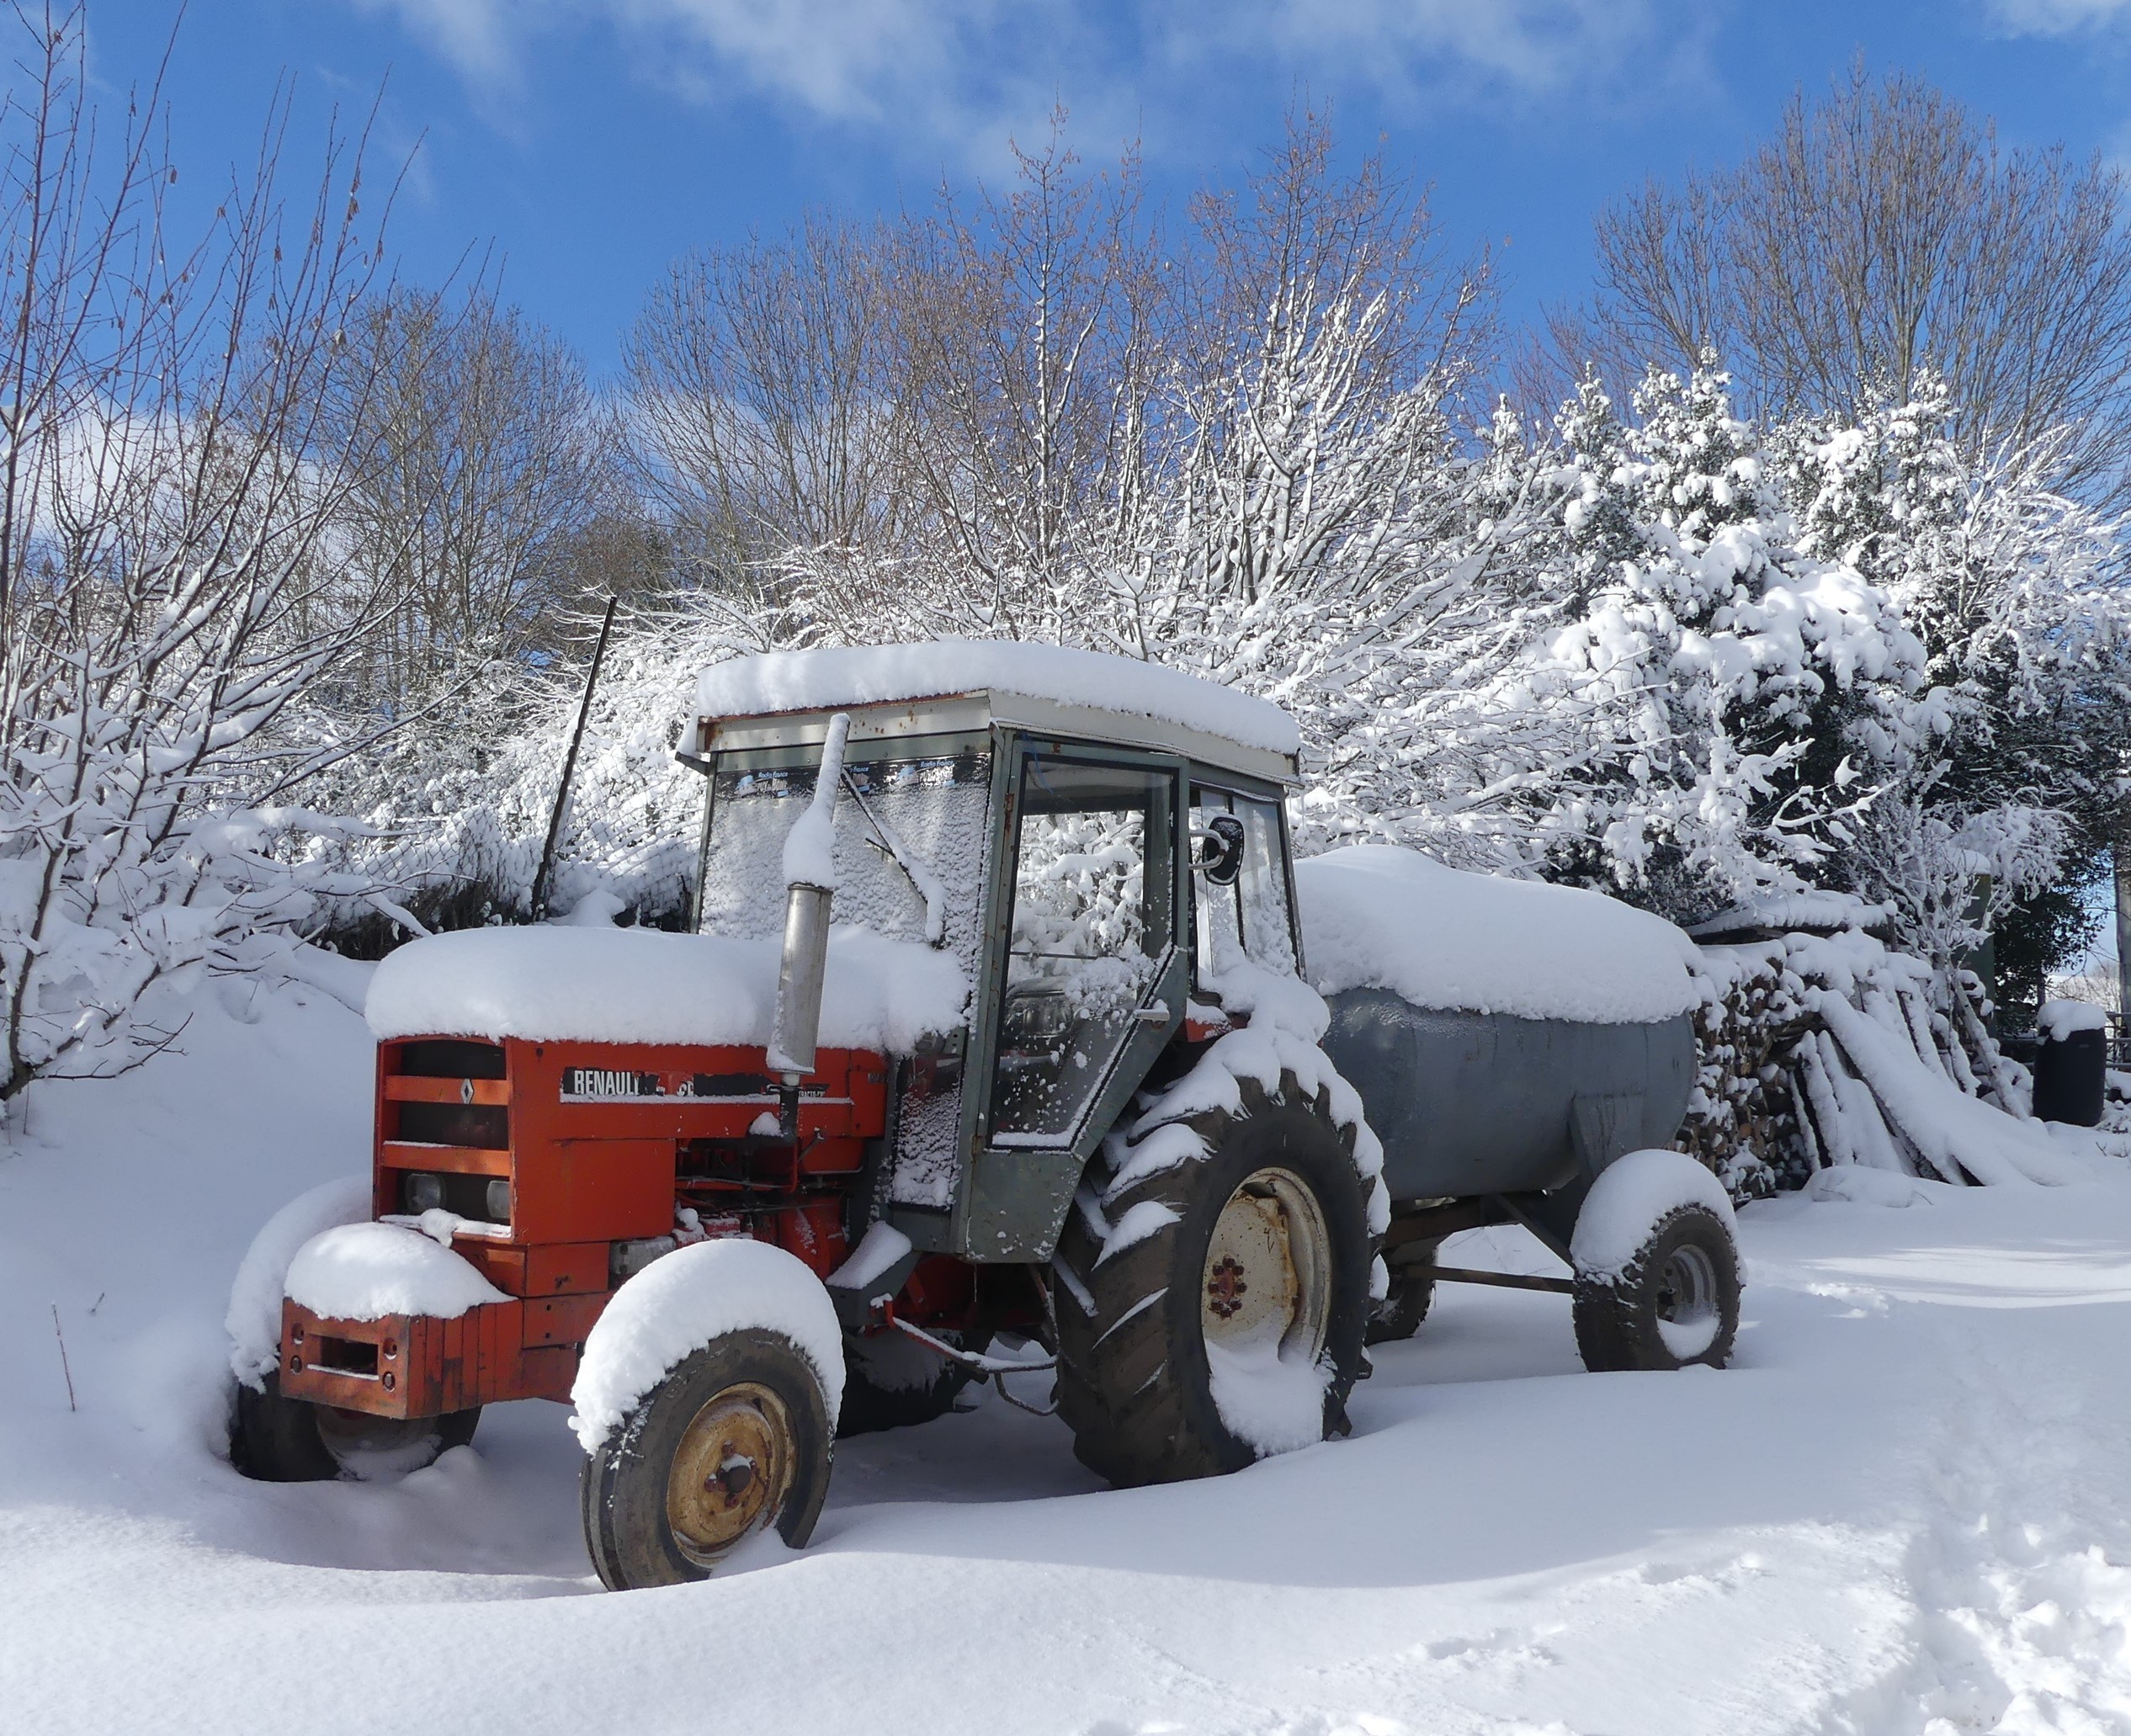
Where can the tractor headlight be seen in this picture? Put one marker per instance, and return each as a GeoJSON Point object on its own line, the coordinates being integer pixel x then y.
{"type": "Point", "coordinates": [423, 1193]}
{"type": "Point", "coordinates": [499, 1199]}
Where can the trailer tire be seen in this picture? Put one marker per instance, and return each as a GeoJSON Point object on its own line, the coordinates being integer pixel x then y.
{"type": "Point", "coordinates": [1135, 1381]}
{"type": "Point", "coordinates": [1406, 1306]}
{"type": "Point", "coordinates": [1672, 1304]}
{"type": "Point", "coordinates": [273, 1439]}
{"type": "Point", "coordinates": [749, 1395]}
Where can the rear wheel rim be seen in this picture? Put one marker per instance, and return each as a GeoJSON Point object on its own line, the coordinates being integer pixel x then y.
{"type": "Point", "coordinates": [1267, 1280]}
{"type": "Point", "coordinates": [1689, 1314]}
{"type": "Point", "coordinates": [731, 1472]}
{"type": "Point", "coordinates": [1686, 1287]}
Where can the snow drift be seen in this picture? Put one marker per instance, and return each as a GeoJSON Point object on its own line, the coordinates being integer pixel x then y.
{"type": "Point", "coordinates": [253, 1321]}
{"type": "Point", "coordinates": [600, 985]}
{"type": "Point", "coordinates": [1377, 916]}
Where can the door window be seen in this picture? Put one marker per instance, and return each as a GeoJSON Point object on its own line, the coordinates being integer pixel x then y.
{"type": "Point", "coordinates": [1245, 915]}
{"type": "Point", "coordinates": [1090, 924]}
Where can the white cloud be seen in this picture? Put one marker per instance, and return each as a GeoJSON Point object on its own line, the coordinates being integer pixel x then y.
{"type": "Point", "coordinates": [1528, 44]}
{"type": "Point", "coordinates": [482, 37]}
{"type": "Point", "coordinates": [965, 72]}
{"type": "Point", "coordinates": [2057, 17]}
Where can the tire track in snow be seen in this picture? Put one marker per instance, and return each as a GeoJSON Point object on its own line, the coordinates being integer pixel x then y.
{"type": "Point", "coordinates": [2023, 1598]}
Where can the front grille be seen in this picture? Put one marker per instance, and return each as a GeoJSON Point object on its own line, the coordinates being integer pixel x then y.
{"type": "Point", "coordinates": [452, 1058]}
{"type": "Point", "coordinates": [486, 1127]}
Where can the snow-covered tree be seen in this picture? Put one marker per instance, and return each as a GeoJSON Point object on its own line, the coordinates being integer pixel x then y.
{"type": "Point", "coordinates": [170, 603]}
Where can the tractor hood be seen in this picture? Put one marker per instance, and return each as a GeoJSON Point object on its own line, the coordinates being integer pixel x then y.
{"type": "Point", "coordinates": [549, 984]}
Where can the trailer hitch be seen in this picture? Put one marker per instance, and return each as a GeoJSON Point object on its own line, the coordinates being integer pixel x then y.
{"type": "Point", "coordinates": [982, 1367]}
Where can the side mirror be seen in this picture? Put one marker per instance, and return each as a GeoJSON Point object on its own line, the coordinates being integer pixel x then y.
{"type": "Point", "coordinates": [1217, 849]}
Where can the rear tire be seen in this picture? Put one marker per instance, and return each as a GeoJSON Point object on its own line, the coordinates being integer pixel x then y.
{"type": "Point", "coordinates": [1275, 1209]}
{"type": "Point", "coordinates": [275, 1439]}
{"type": "Point", "coordinates": [734, 1443]}
{"type": "Point", "coordinates": [1674, 1304]}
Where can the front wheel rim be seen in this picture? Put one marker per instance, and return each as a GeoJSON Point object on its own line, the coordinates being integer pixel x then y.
{"type": "Point", "coordinates": [1266, 1281]}
{"type": "Point", "coordinates": [731, 1472]}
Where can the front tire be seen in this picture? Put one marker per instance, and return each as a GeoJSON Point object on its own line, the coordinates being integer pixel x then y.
{"type": "Point", "coordinates": [733, 1443]}
{"type": "Point", "coordinates": [1674, 1304]}
{"type": "Point", "coordinates": [1233, 1327]}
{"type": "Point", "coordinates": [273, 1439]}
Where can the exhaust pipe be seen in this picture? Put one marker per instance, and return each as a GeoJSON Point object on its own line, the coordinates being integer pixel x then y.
{"type": "Point", "coordinates": [809, 881]}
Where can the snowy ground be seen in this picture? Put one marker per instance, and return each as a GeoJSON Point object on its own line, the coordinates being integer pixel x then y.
{"type": "Point", "coordinates": [1907, 1508]}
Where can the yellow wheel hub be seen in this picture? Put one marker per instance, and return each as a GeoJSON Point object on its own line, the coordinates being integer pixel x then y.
{"type": "Point", "coordinates": [732, 1473]}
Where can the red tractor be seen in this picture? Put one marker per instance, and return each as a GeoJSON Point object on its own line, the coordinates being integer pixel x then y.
{"type": "Point", "coordinates": [991, 1028]}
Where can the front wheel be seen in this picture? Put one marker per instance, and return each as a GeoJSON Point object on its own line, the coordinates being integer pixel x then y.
{"type": "Point", "coordinates": [275, 1439]}
{"type": "Point", "coordinates": [733, 1443]}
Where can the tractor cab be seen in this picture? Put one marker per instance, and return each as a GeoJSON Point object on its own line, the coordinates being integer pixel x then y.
{"type": "Point", "coordinates": [1098, 853]}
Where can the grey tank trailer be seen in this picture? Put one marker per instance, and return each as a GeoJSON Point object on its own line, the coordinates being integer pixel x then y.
{"type": "Point", "coordinates": [1488, 1102]}
{"type": "Point", "coordinates": [1010, 1023]}
{"type": "Point", "coordinates": [1510, 1042]}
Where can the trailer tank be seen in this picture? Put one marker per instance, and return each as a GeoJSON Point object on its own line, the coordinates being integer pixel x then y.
{"type": "Point", "coordinates": [1505, 1036]}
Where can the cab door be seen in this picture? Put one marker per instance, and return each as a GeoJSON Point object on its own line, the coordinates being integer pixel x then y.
{"type": "Point", "coordinates": [1088, 978]}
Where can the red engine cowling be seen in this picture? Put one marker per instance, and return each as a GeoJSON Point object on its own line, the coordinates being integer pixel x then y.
{"type": "Point", "coordinates": [567, 1167]}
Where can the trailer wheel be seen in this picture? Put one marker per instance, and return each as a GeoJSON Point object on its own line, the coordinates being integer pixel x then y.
{"type": "Point", "coordinates": [1402, 1310]}
{"type": "Point", "coordinates": [280, 1440]}
{"type": "Point", "coordinates": [734, 1443]}
{"type": "Point", "coordinates": [1266, 1243]}
{"type": "Point", "coordinates": [1673, 1304]}
{"type": "Point", "coordinates": [891, 1382]}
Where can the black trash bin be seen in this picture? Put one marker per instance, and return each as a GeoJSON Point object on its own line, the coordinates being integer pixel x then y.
{"type": "Point", "coordinates": [2071, 1064]}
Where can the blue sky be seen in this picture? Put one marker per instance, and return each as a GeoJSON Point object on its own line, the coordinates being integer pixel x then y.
{"type": "Point", "coordinates": [588, 141]}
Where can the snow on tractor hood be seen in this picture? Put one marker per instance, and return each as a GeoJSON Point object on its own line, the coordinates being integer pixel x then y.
{"type": "Point", "coordinates": [641, 985]}
{"type": "Point", "coordinates": [838, 676]}
{"type": "Point", "coordinates": [1376, 917]}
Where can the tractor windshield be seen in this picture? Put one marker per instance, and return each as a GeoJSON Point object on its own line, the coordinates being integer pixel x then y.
{"type": "Point", "coordinates": [909, 843]}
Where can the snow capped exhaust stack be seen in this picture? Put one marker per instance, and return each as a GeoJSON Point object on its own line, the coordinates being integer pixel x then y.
{"type": "Point", "coordinates": [809, 880]}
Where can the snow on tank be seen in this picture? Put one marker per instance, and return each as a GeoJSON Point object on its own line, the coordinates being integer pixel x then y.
{"type": "Point", "coordinates": [1043, 686]}
{"type": "Point", "coordinates": [1377, 916]}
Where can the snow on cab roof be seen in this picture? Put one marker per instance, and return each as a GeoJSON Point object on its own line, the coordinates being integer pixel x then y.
{"type": "Point", "coordinates": [834, 677]}
{"type": "Point", "coordinates": [1377, 916]}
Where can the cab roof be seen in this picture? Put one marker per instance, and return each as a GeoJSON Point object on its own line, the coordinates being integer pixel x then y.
{"type": "Point", "coordinates": [786, 697]}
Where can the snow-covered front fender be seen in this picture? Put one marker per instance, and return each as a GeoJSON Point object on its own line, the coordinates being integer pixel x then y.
{"type": "Point", "coordinates": [683, 1302]}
